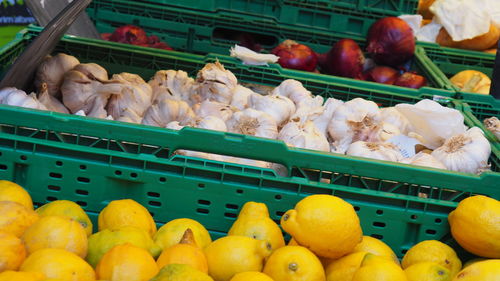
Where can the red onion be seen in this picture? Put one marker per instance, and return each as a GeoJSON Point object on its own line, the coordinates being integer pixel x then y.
{"type": "Point", "coordinates": [296, 56]}
{"type": "Point", "coordinates": [382, 74]}
{"type": "Point", "coordinates": [345, 59]}
{"type": "Point", "coordinates": [391, 41]}
{"type": "Point", "coordinates": [129, 34]}
{"type": "Point", "coordinates": [411, 80]}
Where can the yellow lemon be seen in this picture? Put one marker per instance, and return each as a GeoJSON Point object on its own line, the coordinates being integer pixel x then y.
{"type": "Point", "coordinates": [344, 268]}
{"type": "Point", "coordinates": [254, 221]}
{"type": "Point", "coordinates": [376, 247]}
{"type": "Point", "coordinates": [15, 218]}
{"type": "Point", "coordinates": [68, 209]}
{"type": "Point", "coordinates": [427, 271]}
{"type": "Point", "coordinates": [10, 275]}
{"type": "Point", "coordinates": [126, 262]}
{"type": "Point", "coordinates": [12, 251]}
{"type": "Point", "coordinates": [171, 233]}
{"type": "Point", "coordinates": [475, 225]}
{"type": "Point", "coordinates": [251, 276]}
{"type": "Point", "coordinates": [229, 255]}
{"type": "Point", "coordinates": [126, 212]}
{"type": "Point", "coordinates": [186, 252]}
{"type": "Point", "coordinates": [488, 270]}
{"type": "Point", "coordinates": [102, 241]}
{"type": "Point", "coordinates": [294, 263]}
{"type": "Point", "coordinates": [292, 242]}
{"type": "Point", "coordinates": [181, 272]}
{"type": "Point", "coordinates": [325, 224]}
{"type": "Point", "coordinates": [433, 251]}
{"type": "Point", "coordinates": [58, 263]}
{"type": "Point", "coordinates": [10, 191]}
{"type": "Point", "coordinates": [472, 261]}
{"type": "Point", "coordinates": [375, 268]}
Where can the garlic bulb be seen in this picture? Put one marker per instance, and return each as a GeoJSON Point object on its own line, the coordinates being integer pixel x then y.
{"type": "Point", "coordinates": [20, 98]}
{"type": "Point", "coordinates": [312, 110]}
{"type": "Point", "coordinates": [241, 97]}
{"type": "Point", "coordinates": [493, 125]}
{"type": "Point", "coordinates": [279, 107]}
{"type": "Point", "coordinates": [425, 160]}
{"type": "Point", "coordinates": [304, 135]}
{"type": "Point", "coordinates": [93, 71]}
{"type": "Point", "coordinates": [175, 84]}
{"type": "Point", "coordinates": [7, 91]}
{"type": "Point", "coordinates": [166, 110]}
{"type": "Point", "coordinates": [52, 70]}
{"type": "Point", "coordinates": [433, 122]}
{"type": "Point", "coordinates": [353, 121]}
{"type": "Point", "coordinates": [467, 152]}
{"type": "Point", "coordinates": [293, 90]}
{"type": "Point", "coordinates": [213, 108]}
{"type": "Point", "coordinates": [383, 132]}
{"type": "Point", "coordinates": [216, 83]}
{"type": "Point", "coordinates": [375, 150]}
{"type": "Point", "coordinates": [253, 122]}
{"type": "Point", "coordinates": [211, 123]}
{"type": "Point", "coordinates": [50, 102]}
{"type": "Point", "coordinates": [392, 116]}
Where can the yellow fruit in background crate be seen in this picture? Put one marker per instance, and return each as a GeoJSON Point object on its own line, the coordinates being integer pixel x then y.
{"type": "Point", "coordinates": [427, 271]}
{"type": "Point", "coordinates": [10, 275]}
{"type": "Point", "coordinates": [15, 218]}
{"type": "Point", "coordinates": [433, 251]}
{"type": "Point", "coordinates": [375, 268]}
{"type": "Point", "coordinates": [181, 272]}
{"type": "Point", "coordinates": [56, 232]}
{"type": "Point", "coordinates": [488, 270]}
{"type": "Point", "coordinates": [294, 263]}
{"type": "Point", "coordinates": [58, 263]}
{"type": "Point", "coordinates": [254, 221]}
{"type": "Point", "coordinates": [68, 209]}
{"type": "Point", "coordinates": [186, 252]}
{"type": "Point", "coordinates": [251, 276]}
{"type": "Point", "coordinates": [126, 262]}
{"type": "Point", "coordinates": [475, 225]}
{"type": "Point", "coordinates": [102, 241]}
{"type": "Point", "coordinates": [229, 255]}
{"type": "Point", "coordinates": [126, 212]}
{"type": "Point", "coordinates": [12, 251]}
{"type": "Point", "coordinates": [377, 247]}
{"type": "Point", "coordinates": [345, 267]}
{"type": "Point", "coordinates": [325, 224]}
{"type": "Point", "coordinates": [171, 233]}
{"type": "Point", "coordinates": [10, 191]}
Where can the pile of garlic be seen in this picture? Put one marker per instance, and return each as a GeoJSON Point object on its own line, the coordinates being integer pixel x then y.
{"type": "Point", "coordinates": [289, 112]}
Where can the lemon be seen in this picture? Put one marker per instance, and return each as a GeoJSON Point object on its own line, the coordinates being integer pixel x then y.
{"type": "Point", "coordinates": [10, 191]}
{"type": "Point", "coordinates": [68, 209]}
{"type": "Point", "coordinates": [292, 242]}
{"type": "Point", "coordinates": [376, 247]}
{"type": "Point", "coordinates": [433, 251]}
{"type": "Point", "coordinates": [171, 233]}
{"type": "Point", "coordinates": [427, 271]}
{"type": "Point", "coordinates": [181, 272]}
{"type": "Point", "coordinates": [488, 270]}
{"type": "Point", "coordinates": [375, 268]}
{"type": "Point", "coordinates": [251, 276]}
{"type": "Point", "coordinates": [325, 224]}
{"type": "Point", "coordinates": [345, 267]}
{"type": "Point", "coordinates": [15, 218]}
{"type": "Point", "coordinates": [475, 225]}
{"type": "Point", "coordinates": [472, 261]}
{"type": "Point", "coordinates": [126, 212]}
{"type": "Point", "coordinates": [294, 263]}
{"type": "Point", "coordinates": [12, 251]}
{"type": "Point", "coordinates": [10, 275]}
{"type": "Point", "coordinates": [102, 241]}
{"type": "Point", "coordinates": [229, 255]}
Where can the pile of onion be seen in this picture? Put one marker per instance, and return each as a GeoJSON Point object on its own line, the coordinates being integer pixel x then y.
{"type": "Point", "coordinates": [131, 34]}
{"type": "Point", "coordinates": [295, 56]}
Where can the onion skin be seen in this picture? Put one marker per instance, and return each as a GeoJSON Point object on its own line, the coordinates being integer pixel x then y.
{"type": "Point", "coordinates": [344, 59]}
{"type": "Point", "coordinates": [382, 74]}
{"type": "Point", "coordinates": [411, 80]}
{"type": "Point", "coordinates": [129, 34]}
{"type": "Point", "coordinates": [296, 56]}
{"type": "Point", "coordinates": [391, 41]}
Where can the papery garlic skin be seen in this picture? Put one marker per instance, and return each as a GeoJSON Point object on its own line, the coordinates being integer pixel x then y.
{"type": "Point", "coordinates": [383, 132]}
{"type": "Point", "coordinates": [173, 83]}
{"type": "Point", "coordinates": [293, 90]}
{"type": "Point", "coordinates": [493, 125]}
{"type": "Point", "coordinates": [52, 70]}
{"type": "Point", "coordinates": [425, 160]}
{"type": "Point", "coordinates": [174, 125]}
{"type": "Point", "coordinates": [304, 135]}
{"type": "Point", "coordinates": [392, 116]}
{"type": "Point", "coordinates": [253, 122]}
{"type": "Point", "coordinates": [353, 121]}
{"type": "Point", "coordinates": [380, 151]}
{"type": "Point", "coordinates": [211, 123]}
{"type": "Point", "coordinates": [241, 97]}
{"type": "Point", "coordinates": [216, 83]}
{"type": "Point", "coordinates": [279, 107]}
{"type": "Point", "coordinates": [467, 152]}
{"type": "Point", "coordinates": [213, 108]}
{"type": "Point", "coordinates": [166, 110]}
{"type": "Point", "coordinates": [50, 102]}
{"type": "Point", "coordinates": [93, 71]}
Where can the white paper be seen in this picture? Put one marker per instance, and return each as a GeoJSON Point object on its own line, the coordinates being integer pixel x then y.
{"type": "Point", "coordinates": [414, 21]}
{"type": "Point", "coordinates": [405, 144]}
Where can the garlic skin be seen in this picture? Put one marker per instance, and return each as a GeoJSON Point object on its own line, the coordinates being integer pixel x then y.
{"type": "Point", "coordinates": [279, 107]}
{"type": "Point", "coordinates": [493, 125]}
{"type": "Point", "coordinates": [52, 70]}
{"type": "Point", "coordinates": [216, 83]}
{"type": "Point", "coordinates": [93, 71]}
{"type": "Point", "coordinates": [172, 83]}
{"type": "Point", "coordinates": [211, 123]}
{"type": "Point", "coordinates": [50, 102]}
{"type": "Point", "coordinates": [304, 135]}
{"type": "Point", "coordinates": [166, 110]}
{"type": "Point", "coordinates": [353, 121]}
{"type": "Point", "coordinates": [392, 116]}
{"type": "Point", "coordinates": [174, 125]}
{"type": "Point", "coordinates": [383, 132]}
{"type": "Point", "coordinates": [374, 150]}
{"type": "Point", "coordinates": [293, 90]}
{"type": "Point", "coordinates": [213, 108]}
{"type": "Point", "coordinates": [425, 160]}
{"type": "Point", "coordinates": [241, 97]}
{"type": "Point", "coordinates": [253, 122]}
{"type": "Point", "coordinates": [467, 152]}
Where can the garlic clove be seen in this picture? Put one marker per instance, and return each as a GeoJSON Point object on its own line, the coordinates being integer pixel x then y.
{"type": "Point", "coordinates": [52, 70]}
{"type": "Point", "coordinates": [50, 102]}
{"type": "Point", "coordinates": [250, 57]}
{"type": "Point", "coordinates": [375, 150]}
{"type": "Point", "coordinates": [216, 83]}
{"type": "Point", "coordinates": [253, 122]}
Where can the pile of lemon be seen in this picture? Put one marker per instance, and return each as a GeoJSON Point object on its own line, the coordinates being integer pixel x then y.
{"type": "Point", "coordinates": [55, 242]}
